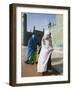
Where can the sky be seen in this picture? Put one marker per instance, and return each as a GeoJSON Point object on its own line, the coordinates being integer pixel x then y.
{"type": "Point", "coordinates": [40, 21]}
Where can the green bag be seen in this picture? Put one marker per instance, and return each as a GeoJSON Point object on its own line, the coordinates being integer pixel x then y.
{"type": "Point", "coordinates": [33, 58]}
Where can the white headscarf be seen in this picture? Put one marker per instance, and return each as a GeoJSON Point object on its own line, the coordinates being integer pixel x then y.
{"type": "Point", "coordinates": [46, 33]}
{"type": "Point", "coordinates": [33, 36]}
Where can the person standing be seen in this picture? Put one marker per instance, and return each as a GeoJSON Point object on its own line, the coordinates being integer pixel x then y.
{"type": "Point", "coordinates": [31, 51]}
{"type": "Point", "coordinates": [45, 53]}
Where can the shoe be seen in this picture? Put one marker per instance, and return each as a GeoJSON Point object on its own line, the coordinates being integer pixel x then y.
{"type": "Point", "coordinates": [36, 62]}
{"type": "Point", "coordinates": [31, 62]}
{"type": "Point", "coordinates": [27, 62]}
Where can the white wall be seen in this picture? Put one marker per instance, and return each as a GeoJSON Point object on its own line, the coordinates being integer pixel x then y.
{"type": "Point", "coordinates": [4, 45]}
{"type": "Point", "coordinates": [57, 31]}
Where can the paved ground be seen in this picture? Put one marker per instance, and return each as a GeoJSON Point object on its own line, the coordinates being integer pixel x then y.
{"type": "Point", "coordinates": [31, 70]}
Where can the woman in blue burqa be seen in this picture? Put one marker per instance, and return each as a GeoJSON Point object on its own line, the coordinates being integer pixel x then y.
{"type": "Point", "coordinates": [31, 51]}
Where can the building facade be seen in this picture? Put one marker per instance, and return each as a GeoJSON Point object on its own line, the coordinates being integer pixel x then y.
{"type": "Point", "coordinates": [56, 31]}
{"type": "Point", "coordinates": [26, 34]}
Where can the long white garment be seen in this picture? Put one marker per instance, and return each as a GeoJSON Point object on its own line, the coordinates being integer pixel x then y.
{"type": "Point", "coordinates": [46, 50]}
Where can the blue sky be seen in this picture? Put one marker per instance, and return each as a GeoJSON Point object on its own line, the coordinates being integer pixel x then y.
{"type": "Point", "coordinates": [40, 21]}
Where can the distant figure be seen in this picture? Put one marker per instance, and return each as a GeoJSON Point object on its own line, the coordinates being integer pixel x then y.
{"type": "Point", "coordinates": [31, 51]}
{"type": "Point", "coordinates": [45, 53]}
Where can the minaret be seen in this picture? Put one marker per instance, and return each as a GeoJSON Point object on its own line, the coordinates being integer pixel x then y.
{"type": "Point", "coordinates": [25, 22]}
{"type": "Point", "coordinates": [34, 29]}
{"type": "Point", "coordinates": [49, 26]}
{"type": "Point", "coordinates": [43, 30]}
{"type": "Point", "coordinates": [24, 28]}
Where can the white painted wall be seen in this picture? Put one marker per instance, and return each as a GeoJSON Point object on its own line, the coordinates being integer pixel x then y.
{"type": "Point", "coordinates": [57, 31]}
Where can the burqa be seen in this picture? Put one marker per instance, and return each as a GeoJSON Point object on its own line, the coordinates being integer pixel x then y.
{"type": "Point", "coordinates": [46, 51]}
{"type": "Point", "coordinates": [32, 47]}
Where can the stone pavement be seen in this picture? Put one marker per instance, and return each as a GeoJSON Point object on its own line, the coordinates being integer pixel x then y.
{"type": "Point", "coordinates": [28, 70]}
